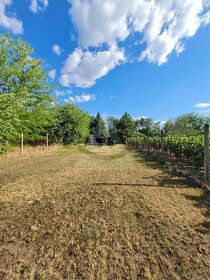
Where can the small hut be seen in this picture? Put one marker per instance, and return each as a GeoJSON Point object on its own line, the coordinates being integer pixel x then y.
{"type": "Point", "coordinates": [102, 140]}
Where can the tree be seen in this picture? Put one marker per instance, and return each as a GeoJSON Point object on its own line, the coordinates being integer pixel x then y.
{"type": "Point", "coordinates": [112, 124]}
{"type": "Point", "coordinates": [24, 92]}
{"type": "Point", "coordinates": [188, 124]}
{"type": "Point", "coordinates": [126, 127]}
{"type": "Point", "coordinates": [147, 126]}
{"type": "Point", "coordinates": [98, 126]}
{"type": "Point", "coordinates": [144, 125]}
{"type": "Point", "coordinates": [70, 125]}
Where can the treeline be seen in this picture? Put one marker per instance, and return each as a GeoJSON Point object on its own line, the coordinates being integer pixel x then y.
{"type": "Point", "coordinates": [28, 105]}
{"type": "Point", "coordinates": [127, 127]}
{"type": "Point", "coordinates": [27, 102]}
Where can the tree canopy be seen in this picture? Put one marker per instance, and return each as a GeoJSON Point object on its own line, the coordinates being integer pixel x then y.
{"type": "Point", "coordinates": [98, 126]}
{"type": "Point", "coordinates": [24, 92]}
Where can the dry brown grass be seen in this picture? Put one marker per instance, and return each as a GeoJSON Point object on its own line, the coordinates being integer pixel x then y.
{"type": "Point", "coordinates": [100, 213]}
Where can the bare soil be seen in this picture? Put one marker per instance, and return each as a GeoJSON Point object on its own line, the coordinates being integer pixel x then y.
{"type": "Point", "coordinates": [100, 213]}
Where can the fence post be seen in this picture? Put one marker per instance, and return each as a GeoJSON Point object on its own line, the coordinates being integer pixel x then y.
{"type": "Point", "coordinates": [162, 141]}
{"type": "Point", "coordinates": [21, 145]}
{"type": "Point", "coordinates": [206, 154]}
{"type": "Point", "coordinates": [47, 144]}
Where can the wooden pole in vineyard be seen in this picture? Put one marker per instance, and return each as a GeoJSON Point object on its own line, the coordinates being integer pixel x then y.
{"type": "Point", "coordinates": [21, 145]}
{"type": "Point", "coordinates": [162, 142]}
{"type": "Point", "coordinates": [47, 144]}
{"type": "Point", "coordinates": [206, 154]}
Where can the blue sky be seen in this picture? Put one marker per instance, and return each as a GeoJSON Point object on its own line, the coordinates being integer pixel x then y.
{"type": "Point", "coordinates": [114, 56]}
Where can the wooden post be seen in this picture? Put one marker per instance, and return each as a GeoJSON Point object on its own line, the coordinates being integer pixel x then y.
{"type": "Point", "coordinates": [47, 144]}
{"type": "Point", "coordinates": [21, 145]}
{"type": "Point", "coordinates": [162, 141]}
{"type": "Point", "coordinates": [206, 154]}
{"type": "Point", "coordinates": [148, 146]}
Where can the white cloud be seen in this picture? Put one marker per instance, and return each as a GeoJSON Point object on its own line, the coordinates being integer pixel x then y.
{"type": "Point", "coordinates": [52, 74]}
{"type": "Point", "coordinates": [83, 68]}
{"type": "Point", "coordinates": [80, 98]}
{"type": "Point", "coordinates": [140, 117]}
{"type": "Point", "coordinates": [38, 5]}
{"type": "Point", "coordinates": [9, 22]}
{"type": "Point", "coordinates": [202, 105]}
{"type": "Point", "coordinates": [57, 49]}
{"type": "Point", "coordinates": [59, 93]}
{"type": "Point", "coordinates": [163, 24]}
{"type": "Point", "coordinates": [112, 96]}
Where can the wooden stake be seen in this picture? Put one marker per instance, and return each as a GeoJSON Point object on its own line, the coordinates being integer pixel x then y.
{"type": "Point", "coordinates": [21, 147]}
{"type": "Point", "coordinates": [206, 154]}
{"type": "Point", "coordinates": [47, 142]}
{"type": "Point", "coordinates": [162, 141]}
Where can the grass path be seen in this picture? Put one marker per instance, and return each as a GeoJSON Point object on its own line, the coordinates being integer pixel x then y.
{"type": "Point", "coordinates": [100, 213]}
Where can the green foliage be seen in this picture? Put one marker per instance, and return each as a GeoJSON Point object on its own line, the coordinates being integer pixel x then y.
{"type": "Point", "coordinates": [189, 124]}
{"type": "Point", "coordinates": [24, 93]}
{"type": "Point", "coordinates": [189, 148]}
{"type": "Point", "coordinates": [70, 125]}
{"type": "Point", "coordinates": [125, 127]}
{"type": "Point", "coordinates": [112, 124]}
{"type": "Point", "coordinates": [98, 126]}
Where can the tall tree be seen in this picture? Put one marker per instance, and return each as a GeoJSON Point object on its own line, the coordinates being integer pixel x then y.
{"type": "Point", "coordinates": [24, 91]}
{"type": "Point", "coordinates": [126, 127]}
{"type": "Point", "coordinates": [112, 124]}
{"type": "Point", "coordinates": [71, 125]}
{"type": "Point", "coordinates": [98, 126]}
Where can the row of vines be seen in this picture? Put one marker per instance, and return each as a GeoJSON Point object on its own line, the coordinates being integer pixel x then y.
{"type": "Point", "coordinates": [190, 148]}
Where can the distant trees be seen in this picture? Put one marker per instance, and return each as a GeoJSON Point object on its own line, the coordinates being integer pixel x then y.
{"type": "Point", "coordinates": [125, 127]}
{"type": "Point", "coordinates": [188, 124]}
{"type": "Point", "coordinates": [98, 126]}
{"type": "Point", "coordinates": [70, 125]}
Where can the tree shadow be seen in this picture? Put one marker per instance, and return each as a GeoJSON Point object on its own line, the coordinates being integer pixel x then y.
{"type": "Point", "coordinates": [203, 202]}
{"type": "Point", "coordinates": [172, 178]}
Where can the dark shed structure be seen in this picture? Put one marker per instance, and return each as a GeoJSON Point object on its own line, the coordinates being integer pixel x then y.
{"type": "Point", "coordinates": [102, 139]}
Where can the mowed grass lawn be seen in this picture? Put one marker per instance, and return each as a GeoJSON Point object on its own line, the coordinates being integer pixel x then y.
{"type": "Point", "coordinates": [100, 213]}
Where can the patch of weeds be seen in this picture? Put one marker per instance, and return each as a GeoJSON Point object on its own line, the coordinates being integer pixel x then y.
{"type": "Point", "coordinates": [26, 267]}
{"type": "Point", "coordinates": [33, 237]}
{"type": "Point", "coordinates": [39, 276]}
{"type": "Point", "coordinates": [2, 206]}
{"type": "Point", "coordinates": [91, 232]}
{"type": "Point", "coordinates": [172, 248]}
{"type": "Point", "coordinates": [183, 268]}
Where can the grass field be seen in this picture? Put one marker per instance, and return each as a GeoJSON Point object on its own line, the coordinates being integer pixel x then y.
{"type": "Point", "coordinates": [100, 213]}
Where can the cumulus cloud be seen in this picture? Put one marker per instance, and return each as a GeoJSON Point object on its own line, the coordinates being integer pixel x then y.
{"type": "Point", "coordinates": [57, 49]}
{"type": "Point", "coordinates": [83, 68]}
{"type": "Point", "coordinates": [52, 74]}
{"type": "Point", "coordinates": [80, 98]}
{"type": "Point", "coordinates": [38, 5]}
{"type": "Point", "coordinates": [9, 22]}
{"type": "Point", "coordinates": [202, 105]}
{"type": "Point", "coordinates": [59, 93]}
{"type": "Point", "coordinates": [161, 24]}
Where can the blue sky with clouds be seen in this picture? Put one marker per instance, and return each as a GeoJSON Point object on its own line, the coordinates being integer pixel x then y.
{"type": "Point", "coordinates": [150, 58]}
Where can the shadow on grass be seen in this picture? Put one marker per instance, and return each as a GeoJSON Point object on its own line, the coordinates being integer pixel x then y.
{"type": "Point", "coordinates": [170, 178]}
{"type": "Point", "coordinates": [202, 201]}
{"type": "Point", "coordinates": [178, 180]}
